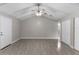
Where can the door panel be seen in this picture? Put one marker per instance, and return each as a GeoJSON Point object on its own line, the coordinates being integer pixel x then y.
{"type": "Point", "coordinates": [66, 32]}
{"type": "Point", "coordinates": [6, 31]}
{"type": "Point", "coordinates": [76, 43]}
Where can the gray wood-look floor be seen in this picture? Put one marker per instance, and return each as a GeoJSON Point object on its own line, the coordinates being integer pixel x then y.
{"type": "Point", "coordinates": [37, 47]}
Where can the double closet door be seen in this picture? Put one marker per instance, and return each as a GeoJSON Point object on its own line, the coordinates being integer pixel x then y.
{"type": "Point", "coordinates": [70, 32]}
{"type": "Point", "coordinates": [5, 31]}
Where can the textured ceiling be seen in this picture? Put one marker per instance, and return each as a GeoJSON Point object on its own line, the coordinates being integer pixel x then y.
{"type": "Point", "coordinates": [54, 11]}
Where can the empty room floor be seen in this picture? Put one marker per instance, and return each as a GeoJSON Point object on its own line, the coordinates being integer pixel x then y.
{"type": "Point", "coordinates": [37, 47]}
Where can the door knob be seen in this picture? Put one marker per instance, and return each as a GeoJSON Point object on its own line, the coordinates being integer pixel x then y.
{"type": "Point", "coordinates": [1, 33]}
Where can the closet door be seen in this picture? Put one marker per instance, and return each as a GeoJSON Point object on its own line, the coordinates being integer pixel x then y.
{"type": "Point", "coordinates": [5, 31]}
{"type": "Point", "coordinates": [76, 43]}
{"type": "Point", "coordinates": [66, 32]}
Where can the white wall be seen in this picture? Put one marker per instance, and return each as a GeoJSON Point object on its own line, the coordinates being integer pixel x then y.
{"type": "Point", "coordinates": [66, 31]}
{"type": "Point", "coordinates": [15, 30]}
{"type": "Point", "coordinates": [39, 28]}
{"type": "Point", "coordinates": [77, 33]}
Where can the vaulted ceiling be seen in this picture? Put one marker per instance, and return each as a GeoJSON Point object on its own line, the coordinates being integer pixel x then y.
{"type": "Point", "coordinates": [54, 11]}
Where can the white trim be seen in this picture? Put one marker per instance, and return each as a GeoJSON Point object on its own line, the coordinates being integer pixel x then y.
{"type": "Point", "coordinates": [68, 44]}
{"type": "Point", "coordinates": [14, 41]}
{"type": "Point", "coordinates": [76, 49]}
{"type": "Point", "coordinates": [38, 38]}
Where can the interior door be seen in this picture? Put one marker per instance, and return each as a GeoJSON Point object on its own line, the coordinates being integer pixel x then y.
{"type": "Point", "coordinates": [5, 31]}
{"type": "Point", "coordinates": [76, 41]}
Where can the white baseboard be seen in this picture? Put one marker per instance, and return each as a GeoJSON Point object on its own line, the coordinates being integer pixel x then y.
{"type": "Point", "coordinates": [9, 43]}
{"type": "Point", "coordinates": [68, 44]}
{"type": "Point", "coordinates": [38, 38]}
{"type": "Point", "coordinates": [76, 48]}
{"type": "Point", "coordinates": [14, 41]}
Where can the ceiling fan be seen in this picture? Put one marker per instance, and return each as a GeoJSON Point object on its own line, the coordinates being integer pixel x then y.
{"type": "Point", "coordinates": [39, 11]}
